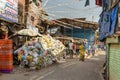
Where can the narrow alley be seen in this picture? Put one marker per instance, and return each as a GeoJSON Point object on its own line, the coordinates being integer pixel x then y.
{"type": "Point", "coordinates": [59, 39]}
{"type": "Point", "coordinates": [72, 69]}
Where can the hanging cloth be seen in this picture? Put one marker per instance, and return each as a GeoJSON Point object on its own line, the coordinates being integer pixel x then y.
{"type": "Point", "coordinates": [105, 4]}
{"type": "Point", "coordinates": [104, 25]}
{"type": "Point", "coordinates": [114, 19]}
{"type": "Point", "coordinates": [108, 22]}
{"type": "Point", "coordinates": [98, 2]}
{"type": "Point", "coordinates": [87, 3]}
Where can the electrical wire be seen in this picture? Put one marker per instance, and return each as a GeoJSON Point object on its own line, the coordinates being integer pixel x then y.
{"type": "Point", "coordinates": [86, 10]}
{"type": "Point", "coordinates": [64, 23]}
{"type": "Point", "coordinates": [46, 1]}
{"type": "Point", "coordinates": [59, 5]}
{"type": "Point", "coordinates": [58, 16]}
{"type": "Point", "coordinates": [63, 11]}
{"type": "Point", "coordinates": [55, 15]}
{"type": "Point", "coordinates": [66, 4]}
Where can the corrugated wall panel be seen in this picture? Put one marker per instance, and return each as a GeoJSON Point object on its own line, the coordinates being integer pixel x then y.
{"type": "Point", "coordinates": [114, 62]}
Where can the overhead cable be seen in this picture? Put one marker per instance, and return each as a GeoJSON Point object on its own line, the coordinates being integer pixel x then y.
{"type": "Point", "coordinates": [46, 1]}
{"type": "Point", "coordinates": [59, 5]}
{"type": "Point", "coordinates": [63, 23]}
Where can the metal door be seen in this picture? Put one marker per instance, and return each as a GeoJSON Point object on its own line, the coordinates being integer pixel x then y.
{"type": "Point", "coordinates": [114, 62]}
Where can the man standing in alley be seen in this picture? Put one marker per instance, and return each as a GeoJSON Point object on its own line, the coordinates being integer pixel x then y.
{"type": "Point", "coordinates": [71, 49]}
{"type": "Point", "coordinates": [74, 49]}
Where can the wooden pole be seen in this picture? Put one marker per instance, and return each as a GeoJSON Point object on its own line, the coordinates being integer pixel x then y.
{"type": "Point", "coordinates": [84, 33]}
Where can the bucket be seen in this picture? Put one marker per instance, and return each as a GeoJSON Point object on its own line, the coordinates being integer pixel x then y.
{"type": "Point", "coordinates": [6, 58]}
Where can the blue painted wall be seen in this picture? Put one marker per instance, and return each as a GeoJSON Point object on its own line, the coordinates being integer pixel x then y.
{"type": "Point", "coordinates": [79, 33]}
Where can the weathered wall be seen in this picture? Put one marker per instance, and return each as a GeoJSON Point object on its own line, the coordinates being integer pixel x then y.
{"type": "Point", "coordinates": [21, 11]}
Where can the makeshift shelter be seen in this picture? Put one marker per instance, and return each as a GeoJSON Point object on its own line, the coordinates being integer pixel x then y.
{"type": "Point", "coordinates": [77, 28]}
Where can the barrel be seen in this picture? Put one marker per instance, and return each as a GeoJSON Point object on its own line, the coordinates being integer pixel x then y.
{"type": "Point", "coordinates": [6, 57]}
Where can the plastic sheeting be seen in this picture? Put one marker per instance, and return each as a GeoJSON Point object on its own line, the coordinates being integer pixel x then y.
{"type": "Point", "coordinates": [28, 32]}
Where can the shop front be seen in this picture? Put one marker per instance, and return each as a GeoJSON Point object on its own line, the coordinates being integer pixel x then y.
{"type": "Point", "coordinates": [109, 33]}
{"type": "Point", "coordinates": [8, 20]}
{"type": "Point", "coordinates": [85, 34]}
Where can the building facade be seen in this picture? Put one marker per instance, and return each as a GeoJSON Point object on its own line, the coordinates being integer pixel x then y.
{"type": "Point", "coordinates": [8, 16]}
{"type": "Point", "coordinates": [21, 11]}
{"type": "Point", "coordinates": [33, 14]}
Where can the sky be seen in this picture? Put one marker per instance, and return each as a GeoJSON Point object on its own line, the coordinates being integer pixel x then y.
{"type": "Point", "coordinates": [72, 9]}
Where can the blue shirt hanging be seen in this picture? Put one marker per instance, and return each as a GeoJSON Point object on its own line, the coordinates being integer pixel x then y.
{"type": "Point", "coordinates": [108, 22]}
{"type": "Point", "coordinates": [104, 25]}
{"type": "Point", "coordinates": [114, 19]}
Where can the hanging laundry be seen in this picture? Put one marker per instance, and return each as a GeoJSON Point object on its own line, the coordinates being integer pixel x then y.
{"type": "Point", "coordinates": [87, 3]}
{"type": "Point", "coordinates": [105, 4]}
{"type": "Point", "coordinates": [118, 26]}
{"type": "Point", "coordinates": [108, 22]}
{"type": "Point", "coordinates": [104, 25]}
{"type": "Point", "coordinates": [114, 19]}
{"type": "Point", "coordinates": [98, 2]}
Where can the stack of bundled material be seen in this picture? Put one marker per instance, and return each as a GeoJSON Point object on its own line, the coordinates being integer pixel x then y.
{"type": "Point", "coordinates": [32, 55]}
{"type": "Point", "coordinates": [40, 52]}
{"type": "Point", "coordinates": [55, 46]}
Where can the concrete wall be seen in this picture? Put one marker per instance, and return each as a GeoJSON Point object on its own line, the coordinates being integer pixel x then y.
{"type": "Point", "coordinates": [34, 11]}
{"type": "Point", "coordinates": [21, 11]}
